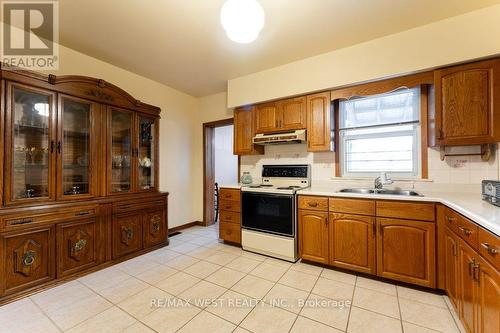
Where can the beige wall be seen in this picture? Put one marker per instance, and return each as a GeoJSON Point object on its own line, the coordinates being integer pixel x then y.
{"type": "Point", "coordinates": [178, 135]}
{"type": "Point", "coordinates": [469, 36]}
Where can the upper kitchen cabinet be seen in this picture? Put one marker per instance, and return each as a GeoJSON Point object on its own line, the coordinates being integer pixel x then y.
{"type": "Point", "coordinates": [283, 115]}
{"type": "Point", "coordinates": [319, 122]}
{"type": "Point", "coordinates": [467, 104]}
{"type": "Point", "coordinates": [244, 131]}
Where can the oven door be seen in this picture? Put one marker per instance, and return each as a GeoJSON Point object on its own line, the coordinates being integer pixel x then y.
{"type": "Point", "coordinates": [266, 212]}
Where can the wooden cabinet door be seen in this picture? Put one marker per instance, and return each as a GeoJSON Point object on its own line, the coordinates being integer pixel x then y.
{"type": "Point", "coordinates": [266, 118]}
{"type": "Point", "coordinates": [488, 297]}
{"type": "Point", "coordinates": [451, 267]}
{"type": "Point", "coordinates": [30, 144]}
{"type": "Point", "coordinates": [313, 235]}
{"type": "Point", "coordinates": [292, 114]}
{"type": "Point", "coordinates": [27, 259]}
{"type": "Point", "coordinates": [319, 122]}
{"type": "Point", "coordinates": [79, 245]}
{"type": "Point", "coordinates": [77, 148]}
{"type": "Point", "coordinates": [352, 242]}
{"type": "Point", "coordinates": [244, 132]}
{"type": "Point", "coordinates": [406, 251]}
{"type": "Point", "coordinates": [466, 263]}
{"type": "Point", "coordinates": [468, 103]}
{"type": "Point", "coordinates": [155, 230]}
{"type": "Point", "coordinates": [127, 234]}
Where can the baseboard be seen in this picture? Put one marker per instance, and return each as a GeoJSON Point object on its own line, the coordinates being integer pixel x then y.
{"type": "Point", "coordinates": [185, 226]}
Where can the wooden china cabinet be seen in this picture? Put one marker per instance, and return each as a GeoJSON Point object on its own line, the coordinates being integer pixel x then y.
{"type": "Point", "coordinates": [79, 179]}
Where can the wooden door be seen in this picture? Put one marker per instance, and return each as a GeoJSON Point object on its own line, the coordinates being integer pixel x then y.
{"type": "Point", "coordinates": [127, 234]}
{"type": "Point", "coordinates": [451, 267]}
{"type": "Point", "coordinates": [244, 132]}
{"type": "Point", "coordinates": [155, 230]}
{"type": "Point", "coordinates": [468, 103]}
{"type": "Point", "coordinates": [313, 235]}
{"type": "Point", "coordinates": [77, 152]}
{"type": "Point", "coordinates": [319, 122]}
{"type": "Point", "coordinates": [121, 151]}
{"type": "Point", "coordinates": [406, 251]}
{"type": "Point", "coordinates": [27, 259]}
{"type": "Point", "coordinates": [30, 147]}
{"type": "Point", "coordinates": [352, 242]}
{"type": "Point", "coordinates": [78, 245]}
{"type": "Point", "coordinates": [488, 297]}
{"type": "Point", "coordinates": [266, 118]}
{"type": "Point", "coordinates": [147, 153]}
{"type": "Point", "coordinates": [466, 263]}
{"type": "Point", "coordinates": [292, 114]}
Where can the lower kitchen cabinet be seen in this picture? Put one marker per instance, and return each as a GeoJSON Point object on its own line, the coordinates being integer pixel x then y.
{"type": "Point", "coordinates": [352, 242]}
{"type": "Point", "coordinates": [488, 297]}
{"type": "Point", "coordinates": [127, 234]}
{"type": "Point", "coordinates": [406, 251]}
{"type": "Point", "coordinates": [466, 263]}
{"type": "Point", "coordinates": [155, 229]}
{"type": "Point", "coordinates": [313, 235]}
{"type": "Point", "coordinates": [451, 267]}
{"type": "Point", "coordinates": [79, 245]}
{"type": "Point", "coordinates": [27, 258]}
{"type": "Point", "coordinates": [229, 215]}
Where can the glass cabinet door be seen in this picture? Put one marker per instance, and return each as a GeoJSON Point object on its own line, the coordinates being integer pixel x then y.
{"type": "Point", "coordinates": [146, 153]}
{"type": "Point", "coordinates": [29, 164]}
{"type": "Point", "coordinates": [74, 147]}
{"type": "Point", "coordinates": [121, 151]}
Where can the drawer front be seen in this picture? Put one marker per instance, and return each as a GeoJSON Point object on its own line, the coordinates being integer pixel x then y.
{"type": "Point", "coordinates": [155, 230]}
{"type": "Point", "coordinates": [127, 234]}
{"type": "Point", "coordinates": [313, 203]}
{"type": "Point", "coordinates": [230, 217]}
{"type": "Point", "coordinates": [78, 246]}
{"type": "Point", "coordinates": [27, 259]}
{"type": "Point", "coordinates": [130, 206]}
{"type": "Point", "coordinates": [352, 206]}
{"type": "Point", "coordinates": [468, 231]}
{"type": "Point", "coordinates": [489, 247]}
{"type": "Point", "coordinates": [24, 219]}
{"type": "Point", "coordinates": [229, 194]}
{"type": "Point", "coordinates": [406, 210]}
{"type": "Point", "coordinates": [232, 206]}
{"type": "Point", "coordinates": [230, 232]}
{"type": "Point", "coordinates": [451, 219]}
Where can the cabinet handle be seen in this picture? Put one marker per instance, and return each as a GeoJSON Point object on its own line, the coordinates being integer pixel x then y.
{"type": "Point", "coordinates": [489, 248]}
{"type": "Point", "coordinates": [450, 219]}
{"type": "Point", "coordinates": [475, 272]}
{"type": "Point", "coordinates": [52, 144]}
{"type": "Point", "coordinates": [129, 233]}
{"type": "Point", "coordinates": [455, 250]}
{"type": "Point", "coordinates": [21, 221]}
{"type": "Point", "coordinates": [79, 246]}
{"type": "Point", "coordinates": [465, 231]}
{"type": "Point", "coordinates": [59, 147]}
{"type": "Point", "coordinates": [471, 267]}
{"type": "Point", "coordinates": [82, 213]}
{"type": "Point", "coordinates": [313, 204]}
{"type": "Point", "coordinates": [29, 258]}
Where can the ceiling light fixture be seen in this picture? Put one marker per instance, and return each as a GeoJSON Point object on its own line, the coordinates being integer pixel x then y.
{"type": "Point", "coordinates": [242, 20]}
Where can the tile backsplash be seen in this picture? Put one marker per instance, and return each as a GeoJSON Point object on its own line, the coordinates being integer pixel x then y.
{"type": "Point", "coordinates": [443, 175]}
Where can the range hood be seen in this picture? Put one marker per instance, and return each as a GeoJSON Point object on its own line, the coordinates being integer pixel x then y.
{"type": "Point", "coordinates": [298, 136]}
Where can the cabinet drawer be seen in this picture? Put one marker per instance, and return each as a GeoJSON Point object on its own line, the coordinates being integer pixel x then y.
{"type": "Point", "coordinates": [468, 231]}
{"type": "Point", "coordinates": [314, 203]}
{"type": "Point", "coordinates": [130, 206]}
{"type": "Point", "coordinates": [230, 232]}
{"type": "Point", "coordinates": [229, 194]}
{"type": "Point", "coordinates": [230, 217]}
{"type": "Point", "coordinates": [352, 206]}
{"type": "Point", "coordinates": [489, 247]}
{"type": "Point", "coordinates": [406, 210]}
{"type": "Point", "coordinates": [451, 219]}
{"type": "Point", "coordinates": [24, 219]}
{"type": "Point", "coordinates": [232, 206]}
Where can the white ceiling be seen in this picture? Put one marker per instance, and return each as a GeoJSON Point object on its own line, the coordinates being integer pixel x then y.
{"type": "Point", "coordinates": [181, 43]}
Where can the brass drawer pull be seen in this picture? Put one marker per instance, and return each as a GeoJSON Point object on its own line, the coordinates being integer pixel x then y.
{"type": "Point", "coordinates": [471, 267]}
{"type": "Point", "coordinates": [475, 272]}
{"type": "Point", "coordinates": [489, 248]}
{"type": "Point", "coordinates": [79, 246]}
{"type": "Point", "coordinates": [450, 219]}
{"type": "Point", "coordinates": [465, 231]}
{"type": "Point", "coordinates": [29, 258]}
{"type": "Point", "coordinates": [82, 213]}
{"type": "Point", "coordinates": [313, 204]}
{"type": "Point", "coordinates": [21, 221]}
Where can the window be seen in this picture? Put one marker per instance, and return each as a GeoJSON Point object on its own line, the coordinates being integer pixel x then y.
{"type": "Point", "coordinates": [381, 133]}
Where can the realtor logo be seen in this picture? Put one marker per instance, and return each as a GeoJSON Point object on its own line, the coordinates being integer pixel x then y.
{"type": "Point", "coordinates": [30, 34]}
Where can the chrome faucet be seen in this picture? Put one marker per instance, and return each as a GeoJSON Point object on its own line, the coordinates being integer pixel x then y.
{"type": "Point", "coordinates": [382, 180]}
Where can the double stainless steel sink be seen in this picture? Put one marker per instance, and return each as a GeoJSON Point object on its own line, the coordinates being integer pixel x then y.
{"type": "Point", "coordinates": [381, 191]}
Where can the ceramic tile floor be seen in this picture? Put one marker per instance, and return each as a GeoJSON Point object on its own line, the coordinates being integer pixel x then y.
{"type": "Point", "coordinates": [202, 285]}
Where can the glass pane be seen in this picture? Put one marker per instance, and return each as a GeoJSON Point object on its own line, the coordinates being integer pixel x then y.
{"type": "Point", "coordinates": [76, 147]}
{"type": "Point", "coordinates": [391, 108]}
{"type": "Point", "coordinates": [121, 151]}
{"type": "Point", "coordinates": [146, 153]}
{"type": "Point", "coordinates": [31, 145]}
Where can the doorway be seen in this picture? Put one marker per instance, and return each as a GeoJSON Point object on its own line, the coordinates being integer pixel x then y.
{"type": "Point", "coordinates": [220, 165]}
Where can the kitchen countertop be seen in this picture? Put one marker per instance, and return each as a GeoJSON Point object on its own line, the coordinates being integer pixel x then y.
{"type": "Point", "coordinates": [234, 186]}
{"type": "Point", "coordinates": [467, 204]}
